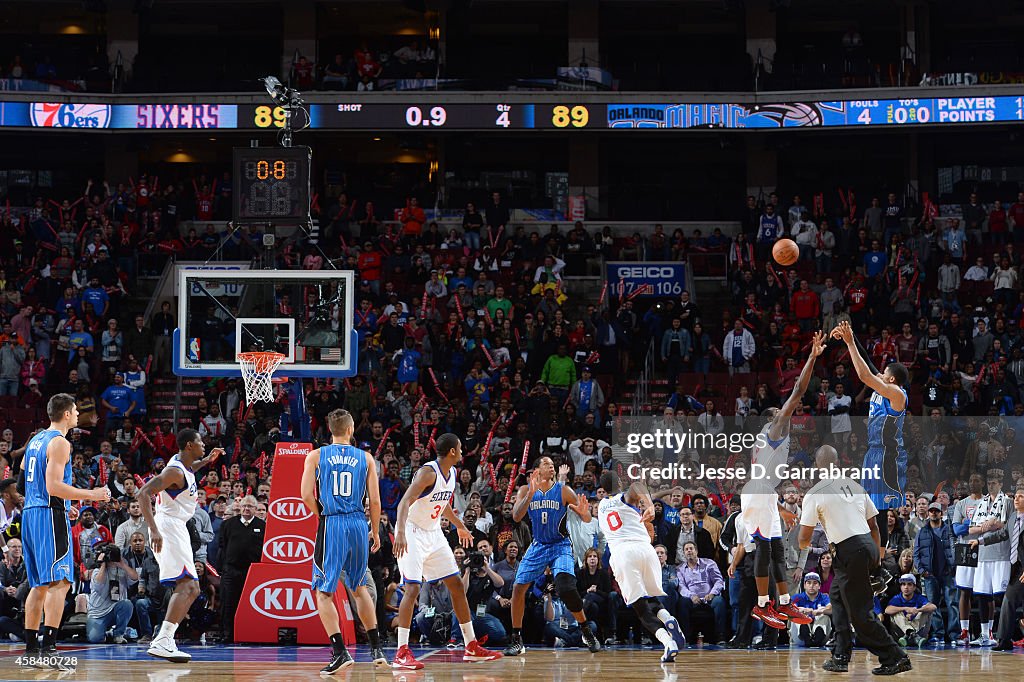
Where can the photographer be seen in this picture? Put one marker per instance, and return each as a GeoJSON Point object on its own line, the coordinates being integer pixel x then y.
{"type": "Point", "coordinates": [146, 595]}
{"type": "Point", "coordinates": [480, 581]}
{"type": "Point", "coordinates": [108, 601]}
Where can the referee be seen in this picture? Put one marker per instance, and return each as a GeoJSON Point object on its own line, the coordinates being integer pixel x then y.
{"type": "Point", "coordinates": [848, 517]}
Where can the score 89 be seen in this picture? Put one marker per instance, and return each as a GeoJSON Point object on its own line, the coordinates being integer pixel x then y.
{"type": "Point", "coordinates": [563, 116]}
{"type": "Point", "coordinates": [265, 117]}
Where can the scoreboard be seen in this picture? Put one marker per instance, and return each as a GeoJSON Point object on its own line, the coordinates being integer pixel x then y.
{"type": "Point", "coordinates": [414, 112]}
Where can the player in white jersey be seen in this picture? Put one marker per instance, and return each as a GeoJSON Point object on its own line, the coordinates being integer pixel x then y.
{"type": "Point", "coordinates": [176, 493]}
{"type": "Point", "coordinates": [423, 553]}
{"type": "Point", "coordinates": [634, 562]}
{"type": "Point", "coordinates": [761, 511]}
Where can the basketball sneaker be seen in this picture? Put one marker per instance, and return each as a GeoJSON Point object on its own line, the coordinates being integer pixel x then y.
{"type": "Point", "coordinates": [983, 640]}
{"type": "Point", "coordinates": [963, 640]}
{"type": "Point", "coordinates": [476, 653]}
{"type": "Point", "coordinates": [56, 661]}
{"type": "Point", "coordinates": [590, 639]}
{"type": "Point", "coordinates": [670, 653]}
{"type": "Point", "coordinates": [167, 649]}
{"type": "Point", "coordinates": [342, 659]}
{"type": "Point", "coordinates": [672, 625]}
{"type": "Point", "coordinates": [379, 659]}
{"type": "Point", "coordinates": [793, 614]}
{"type": "Point", "coordinates": [515, 646]}
{"type": "Point", "coordinates": [404, 660]}
{"type": "Point", "coordinates": [769, 616]}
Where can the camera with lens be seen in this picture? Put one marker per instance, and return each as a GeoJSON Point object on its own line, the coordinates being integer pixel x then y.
{"type": "Point", "coordinates": [111, 553]}
{"type": "Point", "coordinates": [475, 560]}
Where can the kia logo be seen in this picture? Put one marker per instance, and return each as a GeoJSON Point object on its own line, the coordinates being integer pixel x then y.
{"type": "Point", "coordinates": [290, 510]}
{"type": "Point", "coordinates": [289, 549]}
{"type": "Point", "coordinates": [284, 599]}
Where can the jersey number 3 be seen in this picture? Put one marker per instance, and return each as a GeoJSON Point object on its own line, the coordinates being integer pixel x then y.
{"type": "Point", "coordinates": [341, 483]}
{"type": "Point", "coordinates": [614, 522]}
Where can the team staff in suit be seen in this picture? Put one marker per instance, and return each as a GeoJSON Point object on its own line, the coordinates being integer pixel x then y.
{"type": "Point", "coordinates": [847, 514]}
{"type": "Point", "coordinates": [241, 545]}
{"type": "Point", "coordinates": [1014, 597]}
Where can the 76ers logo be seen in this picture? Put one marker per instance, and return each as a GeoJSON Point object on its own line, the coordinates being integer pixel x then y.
{"type": "Point", "coordinates": [50, 115]}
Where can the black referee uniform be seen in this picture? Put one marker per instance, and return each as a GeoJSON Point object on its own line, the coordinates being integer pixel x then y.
{"type": "Point", "coordinates": [844, 509]}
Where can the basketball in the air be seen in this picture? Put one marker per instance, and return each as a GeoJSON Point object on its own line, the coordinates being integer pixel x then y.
{"type": "Point", "coordinates": [785, 252]}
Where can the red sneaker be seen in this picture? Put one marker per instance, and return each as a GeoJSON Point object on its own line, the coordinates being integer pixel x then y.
{"type": "Point", "coordinates": [769, 616]}
{"type": "Point", "coordinates": [1018, 644]}
{"type": "Point", "coordinates": [794, 615]}
{"type": "Point", "coordinates": [963, 640]}
{"type": "Point", "coordinates": [475, 653]}
{"type": "Point", "coordinates": [404, 660]}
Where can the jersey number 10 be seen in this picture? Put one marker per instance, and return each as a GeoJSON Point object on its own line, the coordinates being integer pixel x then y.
{"type": "Point", "coordinates": [341, 483]}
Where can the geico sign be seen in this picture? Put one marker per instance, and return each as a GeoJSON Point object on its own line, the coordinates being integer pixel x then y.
{"type": "Point", "coordinates": [288, 549]}
{"type": "Point", "coordinates": [284, 599]}
{"type": "Point", "coordinates": [644, 272]}
{"type": "Point", "coordinates": [289, 509]}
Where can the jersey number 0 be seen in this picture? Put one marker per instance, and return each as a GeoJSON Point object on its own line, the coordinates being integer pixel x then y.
{"type": "Point", "coordinates": [614, 522]}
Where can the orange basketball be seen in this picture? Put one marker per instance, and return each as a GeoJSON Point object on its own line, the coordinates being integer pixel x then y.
{"type": "Point", "coordinates": [785, 252]}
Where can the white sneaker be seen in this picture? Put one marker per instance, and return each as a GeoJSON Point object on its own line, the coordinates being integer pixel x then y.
{"type": "Point", "coordinates": [120, 639]}
{"type": "Point", "coordinates": [670, 653]}
{"type": "Point", "coordinates": [165, 648]}
{"type": "Point", "coordinates": [559, 642]}
{"type": "Point", "coordinates": [983, 641]}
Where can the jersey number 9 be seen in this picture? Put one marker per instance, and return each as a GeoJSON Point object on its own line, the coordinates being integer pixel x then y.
{"type": "Point", "coordinates": [30, 471]}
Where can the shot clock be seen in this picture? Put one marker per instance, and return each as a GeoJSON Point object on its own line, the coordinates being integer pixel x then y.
{"type": "Point", "coordinates": [271, 184]}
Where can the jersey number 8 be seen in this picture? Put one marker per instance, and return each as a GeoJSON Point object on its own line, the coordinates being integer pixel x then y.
{"type": "Point", "coordinates": [341, 483]}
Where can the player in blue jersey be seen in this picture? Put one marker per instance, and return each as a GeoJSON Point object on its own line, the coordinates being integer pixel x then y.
{"type": "Point", "coordinates": [886, 457]}
{"type": "Point", "coordinates": [336, 479]}
{"type": "Point", "coordinates": [46, 530]}
{"type": "Point", "coordinates": [547, 501]}
{"type": "Point", "coordinates": [886, 453]}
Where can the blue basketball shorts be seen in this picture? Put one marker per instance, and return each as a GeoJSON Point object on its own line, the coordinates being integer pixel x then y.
{"type": "Point", "coordinates": [342, 544]}
{"type": "Point", "coordinates": [539, 556]}
{"type": "Point", "coordinates": [46, 541]}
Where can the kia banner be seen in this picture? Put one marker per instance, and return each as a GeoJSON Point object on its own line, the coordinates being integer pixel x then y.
{"type": "Point", "coordinates": [277, 595]}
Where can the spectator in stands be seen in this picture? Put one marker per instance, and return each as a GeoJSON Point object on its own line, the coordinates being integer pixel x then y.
{"type": "Point", "coordinates": [700, 588]}
{"type": "Point", "coordinates": [933, 559]}
{"type": "Point", "coordinates": [119, 401]}
{"type": "Point", "coordinates": [12, 355]}
{"type": "Point", "coordinates": [908, 612]}
{"type": "Point", "coordinates": [13, 577]}
{"type": "Point", "coordinates": [738, 348]}
{"type": "Point", "coordinates": [814, 603]}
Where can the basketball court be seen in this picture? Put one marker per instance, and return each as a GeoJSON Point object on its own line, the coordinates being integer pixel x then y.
{"type": "Point", "coordinates": [274, 663]}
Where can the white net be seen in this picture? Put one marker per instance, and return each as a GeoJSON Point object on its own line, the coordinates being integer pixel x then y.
{"type": "Point", "coordinates": [257, 373]}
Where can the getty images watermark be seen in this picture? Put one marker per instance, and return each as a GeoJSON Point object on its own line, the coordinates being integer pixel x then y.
{"type": "Point", "coordinates": [660, 450]}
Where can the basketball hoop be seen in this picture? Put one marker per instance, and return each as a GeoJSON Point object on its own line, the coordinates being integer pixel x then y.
{"type": "Point", "coordinates": [257, 373]}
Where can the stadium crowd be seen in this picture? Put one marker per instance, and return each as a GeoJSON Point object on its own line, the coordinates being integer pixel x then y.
{"type": "Point", "coordinates": [476, 331]}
